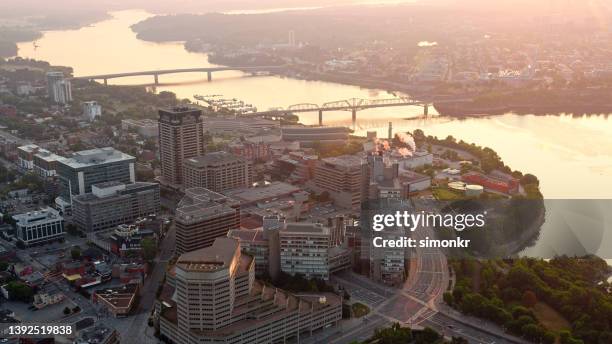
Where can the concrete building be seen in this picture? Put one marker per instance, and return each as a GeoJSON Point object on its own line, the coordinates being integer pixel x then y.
{"type": "Point", "coordinates": [313, 250]}
{"type": "Point", "coordinates": [221, 125]}
{"type": "Point", "coordinates": [218, 300]}
{"type": "Point", "coordinates": [145, 127]}
{"type": "Point", "coordinates": [388, 182]}
{"type": "Point", "coordinates": [202, 216]}
{"type": "Point", "coordinates": [118, 300]}
{"type": "Point", "coordinates": [39, 227]}
{"type": "Point", "coordinates": [59, 88]}
{"type": "Point", "coordinates": [416, 160]}
{"type": "Point", "coordinates": [217, 171]}
{"type": "Point", "coordinates": [181, 136]}
{"type": "Point", "coordinates": [86, 168]}
{"type": "Point", "coordinates": [25, 156]}
{"type": "Point", "coordinates": [91, 110]}
{"type": "Point", "coordinates": [344, 178]}
{"type": "Point", "coordinates": [308, 135]}
{"type": "Point", "coordinates": [113, 203]}
{"type": "Point", "coordinates": [45, 163]}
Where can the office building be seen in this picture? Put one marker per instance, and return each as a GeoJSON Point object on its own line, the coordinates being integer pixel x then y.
{"type": "Point", "coordinates": [59, 88]}
{"type": "Point", "coordinates": [218, 300]}
{"type": "Point", "coordinates": [25, 156]}
{"type": "Point", "coordinates": [217, 171]}
{"type": "Point", "coordinates": [86, 168]}
{"type": "Point", "coordinates": [202, 216]}
{"type": "Point", "coordinates": [313, 250]}
{"type": "Point", "coordinates": [181, 136]}
{"type": "Point", "coordinates": [39, 227]}
{"type": "Point", "coordinates": [145, 127]}
{"type": "Point", "coordinates": [113, 203]}
{"type": "Point", "coordinates": [91, 110]}
{"type": "Point", "coordinates": [344, 178]}
{"type": "Point", "coordinates": [45, 163]}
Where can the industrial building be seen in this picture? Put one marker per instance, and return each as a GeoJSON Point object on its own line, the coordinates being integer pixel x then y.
{"type": "Point", "coordinates": [307, 136]}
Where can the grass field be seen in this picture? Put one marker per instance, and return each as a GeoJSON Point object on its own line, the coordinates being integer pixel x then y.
{"type": "Point", "coordinates": [445, 194]}
{"type": "Point", "coordinates": [550, 318]}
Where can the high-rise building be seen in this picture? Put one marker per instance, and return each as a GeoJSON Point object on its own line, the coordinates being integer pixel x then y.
{"type": "Point", "coordinates": [39, 227]}
{"type": "Point", "coordinates": [114, 203]}
{"type": "Point", "coordinates": [86, 168]}
{"type": "Point", "coordinates": [202, 216]}
{"type": "Point", "coordinates": [91, 110]}
{"type": "Point", "coordinates": [218, 300]}
{"type": "Point", "coordinates": [59, 88]}
{"type": "Point", "coordinates": [217, 171]}
{"type": "Point", "coordinates": [345, 178]}
{"type": "Point", "coordinates": [181, 136]}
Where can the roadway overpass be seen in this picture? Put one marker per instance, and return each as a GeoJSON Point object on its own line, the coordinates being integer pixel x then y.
{"type": "Point", "coordinates": [157, 73]}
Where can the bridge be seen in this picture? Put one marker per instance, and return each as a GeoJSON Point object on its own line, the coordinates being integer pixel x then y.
{"type": "Point", "coordinates": [353, 105]}
{"type": "Point", "coordinates": [157, 73]}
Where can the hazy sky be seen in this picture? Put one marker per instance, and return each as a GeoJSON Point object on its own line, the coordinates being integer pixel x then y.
{"type": "Point", "coordinates": [40, 7]}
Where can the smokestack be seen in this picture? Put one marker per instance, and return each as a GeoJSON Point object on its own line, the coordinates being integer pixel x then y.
{"type": "Point", "coordinates": [390, 130]}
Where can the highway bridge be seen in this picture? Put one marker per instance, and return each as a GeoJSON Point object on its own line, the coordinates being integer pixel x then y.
{"type": "Point", "coordinates": [157, 73]}
{"type": "Point", "coordinates": [352, 104]}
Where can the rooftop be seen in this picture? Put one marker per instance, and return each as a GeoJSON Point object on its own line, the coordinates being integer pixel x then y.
{"type": "Point", "coordinates": [213, 159]}
{"type": "Point", "coordinates": [274, 189]}
{"type": "Point", "coordinates": [218, 256]}
{"type": "Point", "coordinates": [95, 157]}
{"type": "Point", "coordinates": [34, 217]}
{"type": "Point", "coordinates": [346, 161]}
{"type": "Point", "coordinates": [305, 227]}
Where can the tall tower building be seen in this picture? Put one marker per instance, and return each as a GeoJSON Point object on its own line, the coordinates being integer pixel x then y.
{"type": "Point", "coordinates": [59, 88]}
{"type": "Point", "coordinates": [181, 136]}
{"type": "Point", "coordinates": [216, 299]}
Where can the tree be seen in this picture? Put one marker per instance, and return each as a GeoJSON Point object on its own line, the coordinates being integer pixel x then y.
{"type": "Point", "coordinates": [66, 310]}
{"type": "Point", "coordinates": [75, 253]}
{"type": "Point", "coordinates": [529, 299]}
{"type": "Point", "coordinates": [149, 248]}
{"type": "Point", "coordinates": [4, 266]}
{"type": "Point", "coordinates": [448, 298]}
{"type": "Point", "coordinates": [20, 291]}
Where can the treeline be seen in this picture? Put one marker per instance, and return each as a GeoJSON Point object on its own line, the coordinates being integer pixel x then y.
{"type": "Point", "coordinates": [486, 160]}
{"type": "Point", "coordinates": [396, 334]}
{"type": "Point", "coordinates": [505, 292]}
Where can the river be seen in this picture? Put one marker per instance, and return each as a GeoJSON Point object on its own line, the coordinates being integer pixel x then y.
{"type": "Point", "coordinates": [572, 156]}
